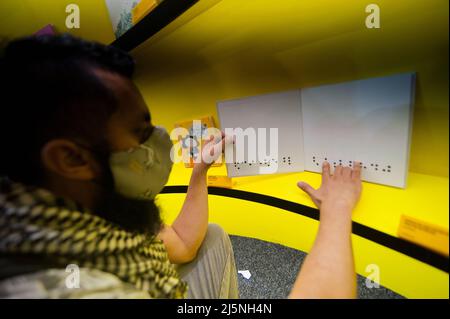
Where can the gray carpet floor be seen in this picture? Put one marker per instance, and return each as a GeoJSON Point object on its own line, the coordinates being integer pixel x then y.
{"type": "Point", "coordinates": [274, 268]}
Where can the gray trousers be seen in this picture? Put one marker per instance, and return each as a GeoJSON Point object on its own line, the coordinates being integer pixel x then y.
{"type": "Point", "coordinates": [212, 274]}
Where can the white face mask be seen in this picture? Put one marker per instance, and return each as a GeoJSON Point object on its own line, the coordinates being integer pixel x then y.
{"type": "Point", "coordinates": [142, 172]}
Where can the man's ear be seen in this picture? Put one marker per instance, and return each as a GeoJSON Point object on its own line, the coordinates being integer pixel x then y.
{"type": "Point", "coordinates": [69, 160]}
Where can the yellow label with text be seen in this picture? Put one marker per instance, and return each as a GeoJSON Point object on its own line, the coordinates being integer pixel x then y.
{"type": "Point", "coordinates": [220, 181]}
{"type": "Point", "coordinates": [424, 234]}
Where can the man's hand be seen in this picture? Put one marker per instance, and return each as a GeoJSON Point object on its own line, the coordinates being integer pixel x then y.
{"type": "Point", "coordinates": [342, 189]}
{"type": "Point", "coordinates": [212, 149]}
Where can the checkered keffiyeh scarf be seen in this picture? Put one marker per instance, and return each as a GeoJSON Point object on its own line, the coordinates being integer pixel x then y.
{"type": "Point", "coordinates": [33, 222]}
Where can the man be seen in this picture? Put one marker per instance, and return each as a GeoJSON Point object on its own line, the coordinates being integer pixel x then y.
{"type": "Point", "coordinates": [83, 163]}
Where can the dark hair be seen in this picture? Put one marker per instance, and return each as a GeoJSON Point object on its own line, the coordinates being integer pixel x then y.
{"type": "Point", "coordinates": [49, 90]}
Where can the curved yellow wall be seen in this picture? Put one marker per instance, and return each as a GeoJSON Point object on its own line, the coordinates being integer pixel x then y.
{"type": "Point", "coordinates": [241, 48]}
{"type": "Point", "coordinates": [246, 47]}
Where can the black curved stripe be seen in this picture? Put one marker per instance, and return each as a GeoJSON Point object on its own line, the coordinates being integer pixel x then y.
{"type": "Point", "coordinates": [405, 247]}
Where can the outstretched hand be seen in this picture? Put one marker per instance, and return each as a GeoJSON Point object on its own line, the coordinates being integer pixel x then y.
{"type": "Point", "coordinates": [341, 188]}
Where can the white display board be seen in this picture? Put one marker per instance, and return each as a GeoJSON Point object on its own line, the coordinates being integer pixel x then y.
{"type": "Point", "coordinates": [279, 110]}
{"type": "Point", "coordinates": [366, 120]}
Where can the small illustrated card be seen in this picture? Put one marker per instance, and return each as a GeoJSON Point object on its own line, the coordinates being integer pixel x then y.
{"type": "Point", "coordinates": [196, 133]}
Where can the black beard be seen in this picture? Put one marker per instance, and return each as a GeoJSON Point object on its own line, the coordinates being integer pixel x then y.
{"type": "Point", "coordinates": [133, 215]}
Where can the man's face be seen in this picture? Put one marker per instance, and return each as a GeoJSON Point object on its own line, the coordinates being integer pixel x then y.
{"type": "Point", "coordinates": [131, 124]}
{"type": "Point", "coordinates": [128, 127]}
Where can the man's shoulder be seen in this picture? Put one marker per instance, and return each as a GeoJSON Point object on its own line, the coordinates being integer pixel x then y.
{"type": "Point", "coordinates": [70, 283]}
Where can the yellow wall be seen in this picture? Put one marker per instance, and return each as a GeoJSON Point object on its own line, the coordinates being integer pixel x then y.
{"type": "Point", "coordinates": [24, 17]}
{"type": "Point", "coordinates": [240, 48]}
